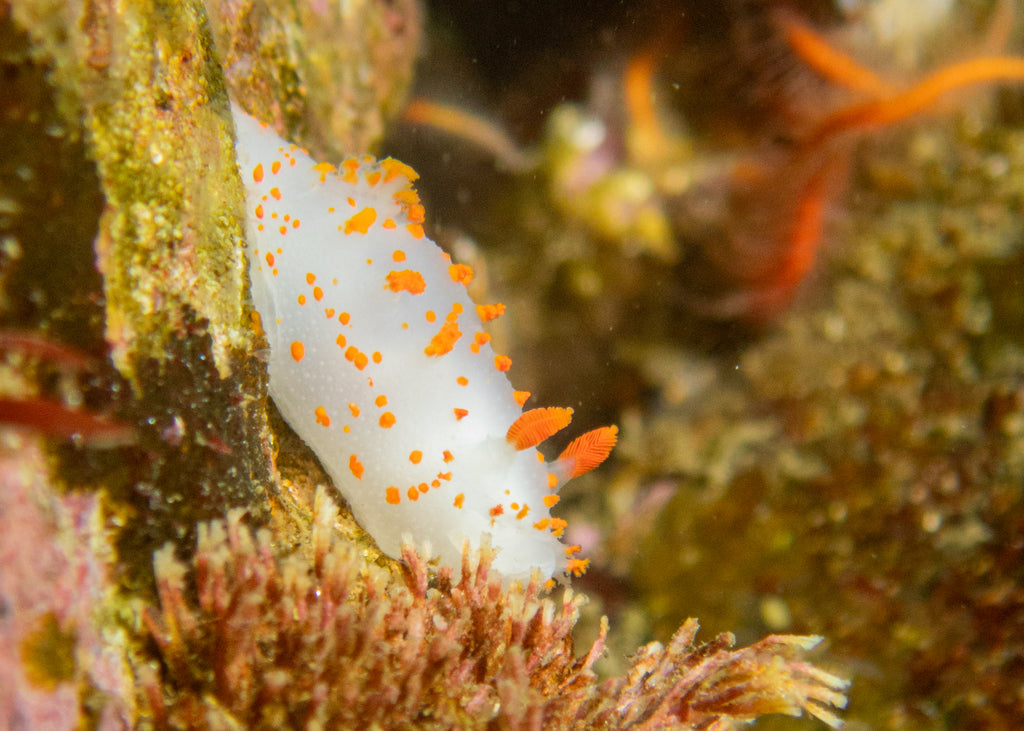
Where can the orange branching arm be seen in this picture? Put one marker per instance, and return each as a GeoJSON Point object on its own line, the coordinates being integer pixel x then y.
{"type": "Point", "coordinates": [882, 112]}
{"type": "Point", "coordinates": [587, 451]}
{"type": "Point", "coordinates": [832, 64]}
{"type": "Point", "coordinates": [476, 130]}
{"type": "Point", "coordinates": [536, 425]}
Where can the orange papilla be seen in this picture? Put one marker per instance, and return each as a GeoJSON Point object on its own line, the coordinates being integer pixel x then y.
{"type": "Point", "coordinates": [589, 450]}
{"type": "Point", "coordinates": [487, 313]}
{"type": "Point", "coordinates": [534, 426]}
{"type": "Point", "coordinates": [577, 566]}
{"type": "Point", "coordinates": [461, 273]}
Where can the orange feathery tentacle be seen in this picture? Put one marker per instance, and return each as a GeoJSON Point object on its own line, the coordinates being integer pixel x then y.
{"type": "Point", "coordinates": [536, 425]}
{"type": "Point", "coordinates": [587, 451]}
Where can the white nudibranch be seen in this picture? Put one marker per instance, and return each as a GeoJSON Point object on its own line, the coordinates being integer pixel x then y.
{"type": "Point", "coordinates": [380, 361]}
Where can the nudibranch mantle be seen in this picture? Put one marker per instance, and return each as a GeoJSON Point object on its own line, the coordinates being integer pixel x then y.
{"type": "Point", "coordinates": [380, 361]}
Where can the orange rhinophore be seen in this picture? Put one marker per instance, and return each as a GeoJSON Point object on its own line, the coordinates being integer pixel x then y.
{"type": "Point", "coordinates": [536, 425]}
{"type": "Point", "coordinates": [587, 451]}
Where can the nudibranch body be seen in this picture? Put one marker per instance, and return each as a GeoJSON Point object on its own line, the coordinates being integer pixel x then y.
{"type": "Point", "coordinates": [380, 361]}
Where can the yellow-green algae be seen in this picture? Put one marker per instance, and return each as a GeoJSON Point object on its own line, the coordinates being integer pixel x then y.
{"type": "Point", "coordinates": [329, 75]}
{"type": "Point", "coordinates": [136, 82]}
{"type": "Point", "coordinates": [858, 472]}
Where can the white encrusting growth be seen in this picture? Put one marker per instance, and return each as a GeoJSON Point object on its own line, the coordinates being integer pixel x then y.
{"type": "Point", "coordinates": [379, 359]}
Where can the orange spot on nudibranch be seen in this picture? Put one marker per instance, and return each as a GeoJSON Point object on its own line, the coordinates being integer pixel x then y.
{"type": "Point", "coordinates": [318, 294]}
{"type": "Point", "coordinates": [298, 351]}
{"type": "Point", "coordinates": [415, 456]}
{"type": "Point", "coordinates": [257, 173]}
{"type": "Point", "coordinates": [496, 511]}
{"type": "Point", "coordinates": [459, 499]}
{"type": "Point", "coordinates": [460, 414]}
{"type": "Point", "coordinates": [355, 467]}
{"type": "Point", "coordinates": [354, 409]}
{"type": "Point", "coordinates": [276, 193]}
{"type": "Point", "coordinates": [550, 500]}
{"type": "Point", "coordinates": [387, 420]}
{"type": "Point", "coordinates": [361, 222]}
{"type": "Point", "coordinates": [413, 493]}
{"type": "Point", "coordinates": [502, 362]}
{"type": "Point", "coordinates": [534, 426]}
{"type": "Point", "coordinates": [462, 381]}
{"type": "Point", "coordinates": [310, 277]}
{"type": "Point", "coordinates": [392, 496]}
{"type": "Point", "coordinates": [356, 357]}
{"type": "Point", "coordinates": [321, 416]}
{"type": "Point", "coordinates": [406, 280]}
{"type": "Point", "coordinates": [444, 340]}
{"type": "Point", "coordinates": [381, 400]}
{"type": "Point", "coordinates": [521, 397]}
{"type": "Point", "coordinates": [448, 456]}
{"type": "Point", "coordinates": [416, 230]}
{"type": "Point", "coordinates": [398, 255]}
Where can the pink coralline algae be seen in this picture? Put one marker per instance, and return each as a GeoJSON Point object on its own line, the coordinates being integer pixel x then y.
{"type": "Point", "coordinates": [56, 663]}
{"type": "Point", "coordinates": [324, 640]}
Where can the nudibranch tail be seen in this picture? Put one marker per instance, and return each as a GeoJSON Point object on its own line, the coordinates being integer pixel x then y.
{"type": "Point", "coordinates": [380, 361]}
